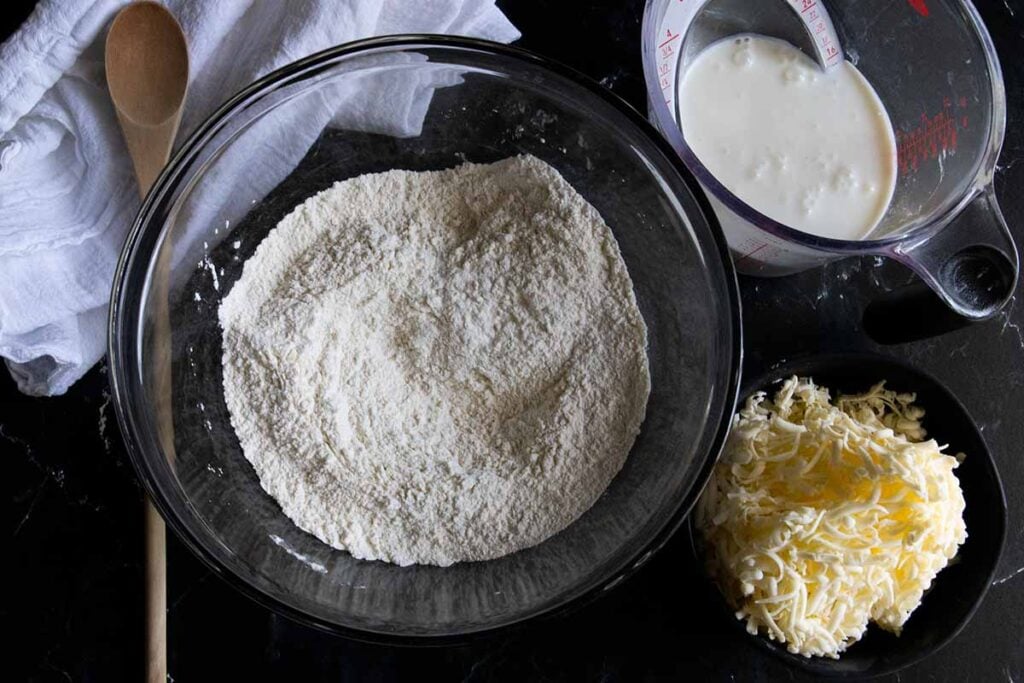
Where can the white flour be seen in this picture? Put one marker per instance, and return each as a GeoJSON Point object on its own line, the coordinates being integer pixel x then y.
{"type": "Point", "coordinates": [437, 367]}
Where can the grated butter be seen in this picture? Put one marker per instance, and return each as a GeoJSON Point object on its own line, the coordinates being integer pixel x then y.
{"type": "Point", "coordinates": [823, 517]}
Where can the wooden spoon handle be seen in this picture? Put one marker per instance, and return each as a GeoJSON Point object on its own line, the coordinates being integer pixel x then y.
{"type": "Point", "coordinates": [156, 596]}
{"type": "Point", "coordinates": [149, 146]}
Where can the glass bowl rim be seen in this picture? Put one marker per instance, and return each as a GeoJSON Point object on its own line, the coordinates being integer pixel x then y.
{"type": "Point", "coordinates": [122, 315]}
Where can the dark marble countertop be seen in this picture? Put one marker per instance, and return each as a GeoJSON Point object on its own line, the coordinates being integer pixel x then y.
{"type": "Point", "coordinates": [73, 508]}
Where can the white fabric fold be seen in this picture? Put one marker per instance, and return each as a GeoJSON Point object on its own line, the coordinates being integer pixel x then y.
{"type": "Point", "coordinates": [67, 194]}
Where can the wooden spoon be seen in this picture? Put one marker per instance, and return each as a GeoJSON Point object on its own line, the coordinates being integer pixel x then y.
{"type": "Point", "coordinates": [147, 74]}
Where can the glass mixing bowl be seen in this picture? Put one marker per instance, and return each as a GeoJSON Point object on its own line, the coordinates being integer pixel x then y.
{"type": "Point", "coordinates": [416, 102]}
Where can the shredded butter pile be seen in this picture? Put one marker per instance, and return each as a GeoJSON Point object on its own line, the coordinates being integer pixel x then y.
{"type": "Point", "coordinates": [821, 517]}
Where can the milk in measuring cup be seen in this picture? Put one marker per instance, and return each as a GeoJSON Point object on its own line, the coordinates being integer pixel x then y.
{"type": "Point", "coordinates": [811, 149]}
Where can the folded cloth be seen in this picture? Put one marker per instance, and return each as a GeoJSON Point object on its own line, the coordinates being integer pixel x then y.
{"type": "Point", "coordinates": [67, 193]}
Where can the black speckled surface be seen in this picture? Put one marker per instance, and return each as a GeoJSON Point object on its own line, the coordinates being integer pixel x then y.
{"type": "Point", "coordinates": [73, 510]}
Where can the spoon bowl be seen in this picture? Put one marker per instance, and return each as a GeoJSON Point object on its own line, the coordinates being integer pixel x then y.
{"type": "Point", "coordinates": [147, 75]}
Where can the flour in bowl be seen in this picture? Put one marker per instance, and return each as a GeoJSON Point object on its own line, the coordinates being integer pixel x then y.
{"type": "Point", "coordinates": [428, 368]}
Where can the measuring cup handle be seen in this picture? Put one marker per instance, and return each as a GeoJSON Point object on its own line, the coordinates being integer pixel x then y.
{"type": "Point", "coordinates": [969, 271]}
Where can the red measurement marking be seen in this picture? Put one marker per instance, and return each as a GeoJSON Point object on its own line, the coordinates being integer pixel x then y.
{"type": "Point", "coordinates": [933, 136]}
{"type": "Point", "coordinates": [749, 254]}
{"type": "Point", "coordinates": [669, 40]}
{"type": "Point", "coordinates": [807, 4]}
{"type": "Point", "coordinates": [920, 6]}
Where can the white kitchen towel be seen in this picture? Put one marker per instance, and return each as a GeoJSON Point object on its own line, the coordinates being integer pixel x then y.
{"type": "Point", "coordinates": [67, 194]}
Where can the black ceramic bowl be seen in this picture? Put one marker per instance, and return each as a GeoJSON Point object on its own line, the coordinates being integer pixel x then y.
{"type": "Point", "coordinates": [959, 588]}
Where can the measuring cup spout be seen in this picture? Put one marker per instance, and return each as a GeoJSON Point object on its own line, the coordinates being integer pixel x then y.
{"type": "Point", "coordinates": [971, 264]}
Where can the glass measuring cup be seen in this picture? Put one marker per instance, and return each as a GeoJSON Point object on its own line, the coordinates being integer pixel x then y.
{"type": "Point", "coordinates": [933, 64]}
